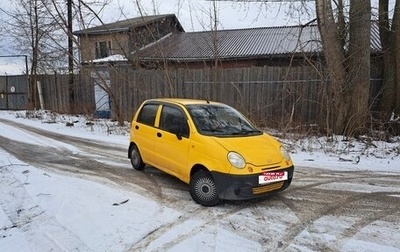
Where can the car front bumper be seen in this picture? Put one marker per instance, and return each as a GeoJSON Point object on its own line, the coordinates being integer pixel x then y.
{"type": "Point", "coordinates": [240, 187]}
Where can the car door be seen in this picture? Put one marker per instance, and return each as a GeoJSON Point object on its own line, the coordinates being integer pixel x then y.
{"type": "Point", "coordinates": [146, 132]}
{"type": "Point", "coordinates": [173, 141]}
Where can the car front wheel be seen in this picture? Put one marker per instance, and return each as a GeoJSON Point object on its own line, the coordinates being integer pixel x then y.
{"type": "Point", "coordinates": [203, 189]}
{"type": "Point", "coordinates": [136, 159]}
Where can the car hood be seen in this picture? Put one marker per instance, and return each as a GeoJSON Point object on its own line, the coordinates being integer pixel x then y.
{"type": "Point", "coordinates": [261, 150]}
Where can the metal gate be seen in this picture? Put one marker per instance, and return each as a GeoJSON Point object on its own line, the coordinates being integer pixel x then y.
{"type": "Point", "coordinates": [13, 92]}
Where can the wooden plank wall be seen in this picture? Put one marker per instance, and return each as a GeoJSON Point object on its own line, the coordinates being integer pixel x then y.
{"type": "Point", "coordinates": [272, 96]}
{"type": "Point", "coordinates": [56, 94]}
{"type": "Point", "coordinates": [267, 95]}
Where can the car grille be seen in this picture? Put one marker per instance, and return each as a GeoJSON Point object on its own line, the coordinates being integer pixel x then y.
{"type": "Point", "coordinates": [270, 167]}
{"type": "Point", "coordinates": [268, 188]}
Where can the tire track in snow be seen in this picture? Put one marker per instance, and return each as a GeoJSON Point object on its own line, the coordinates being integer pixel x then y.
{"type": "Point", "coordinates": [25, 215]}
{"type": "Point", "coordinates": [309, 210]}
{"type": "Point", "coordinates": [371, 215]}
{"type": "Point", "coordinates": [204, 218]}
{"type": "Point", "coordinates": [307, 218]}
{"type": "Point", "coordinates": [77, 163]}
{"type": "Point", "coordinates": [306, 199]}
{"type": "Point", "coordinates": [58, 159]}
{"type": "Point", "coordinates": [327, 177]}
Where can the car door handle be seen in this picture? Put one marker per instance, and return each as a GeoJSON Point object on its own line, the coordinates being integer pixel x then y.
{"type": "Point", "coordinates": [159, 134]}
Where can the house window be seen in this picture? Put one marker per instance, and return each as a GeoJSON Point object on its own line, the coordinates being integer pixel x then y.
{"type": "Point", "coordinates": [103, 49]}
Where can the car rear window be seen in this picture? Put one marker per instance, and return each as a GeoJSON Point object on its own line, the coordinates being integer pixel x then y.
{"type": "Point", "coordinates": [148, 114]}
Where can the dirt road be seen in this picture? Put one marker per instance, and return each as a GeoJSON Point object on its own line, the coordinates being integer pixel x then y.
{"type": "Point", "coordinates": [321, 210]}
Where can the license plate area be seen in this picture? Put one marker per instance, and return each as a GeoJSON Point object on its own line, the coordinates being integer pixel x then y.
{"type": "Point", "coordinates": [271, 177]}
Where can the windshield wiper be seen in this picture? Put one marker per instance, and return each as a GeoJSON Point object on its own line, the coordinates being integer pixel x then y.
{"type": "Point", "coordinates": [212, 130]}
{"type": "Point", "coordinates": [246, 132]}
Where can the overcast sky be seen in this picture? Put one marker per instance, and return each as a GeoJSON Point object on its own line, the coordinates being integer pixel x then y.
{"type": "Point", "coordinates": [197, 15]}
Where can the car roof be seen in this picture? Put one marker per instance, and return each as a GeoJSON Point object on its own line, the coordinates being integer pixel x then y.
{"type": "Point", "coordinates": [182, 101]}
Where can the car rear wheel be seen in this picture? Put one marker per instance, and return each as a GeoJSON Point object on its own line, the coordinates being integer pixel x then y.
{"type": "Point", "coordinates": [203, 189]}
{"type": "Point", "coordinates": [136, 159]}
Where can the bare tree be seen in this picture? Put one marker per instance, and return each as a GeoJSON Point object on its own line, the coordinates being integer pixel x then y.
{"type": "Point", "coordinates": [396, 49]}
{"type": "Point", "coordinates": [36, 34]}
{"type": "Point", "coordinates": [332, 46]}
{"type": "Point", "coordinates": [41, 29]}
{"type": "Point", "coordinates": [386, 39]}
{"type": "Point", "coordinates": [390, 39]}
{"type": "Point", "coordinates": [359, 61]}
{"type": "Point", "coordinates": [349, 70]}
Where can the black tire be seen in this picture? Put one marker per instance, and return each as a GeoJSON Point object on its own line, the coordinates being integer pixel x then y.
{"type": "Point", "coordinates": [203, 189]}
{"type": "Point", "coordinates": [136, 159]}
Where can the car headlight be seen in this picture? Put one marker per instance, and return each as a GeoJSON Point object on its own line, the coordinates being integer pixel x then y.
{"type": "Point", "coordinates": [236, 160]}
{"type": "Point", "coordinates": [285, 154]}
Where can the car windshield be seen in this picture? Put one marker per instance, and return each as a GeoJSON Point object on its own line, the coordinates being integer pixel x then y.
{"type": "Point", "coordinates": [220, 120]}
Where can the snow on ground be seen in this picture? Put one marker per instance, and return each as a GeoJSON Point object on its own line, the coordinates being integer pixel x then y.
{"type": "Point", "coordinates": [88, 209]}
{"type": "Point", "coordinates": [317, 152]}
{"type": "Point", "coordinates": [87, 216]}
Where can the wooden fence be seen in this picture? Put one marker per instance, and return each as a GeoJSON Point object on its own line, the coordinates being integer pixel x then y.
{"type": "Point", "coordinates": [55, 91]}
{"type": "Point", "coordinates": [16, 93]}
{"type": "Point", "coordinates": [267, 95]}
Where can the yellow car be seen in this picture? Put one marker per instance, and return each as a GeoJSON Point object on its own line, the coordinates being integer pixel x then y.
{"type": "Point", "coordinates": [210, 146]}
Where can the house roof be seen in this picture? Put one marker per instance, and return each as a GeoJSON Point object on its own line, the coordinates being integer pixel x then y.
{"type": "Point", "coordinates": [241, 44]}
{"type": "Point", "coordinates": [125, 25]}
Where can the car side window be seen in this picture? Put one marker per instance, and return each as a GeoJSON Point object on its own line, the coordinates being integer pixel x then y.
{"type": "Point", "coordinates": [148, 114]}
{"type": "Point", "coordinates": [174, 121]}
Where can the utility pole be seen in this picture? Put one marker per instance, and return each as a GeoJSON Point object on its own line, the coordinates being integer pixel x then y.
{"type": "Point", "coordinates": [71, 90]}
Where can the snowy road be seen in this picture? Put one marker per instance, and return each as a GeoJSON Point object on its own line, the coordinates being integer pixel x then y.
{"type": "Point", "coordinates": [323, 210]}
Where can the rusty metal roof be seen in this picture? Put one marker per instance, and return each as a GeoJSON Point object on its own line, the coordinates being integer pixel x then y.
{"type": "Point", "coordinates": [241, 44]}
{"type": "Point", "coordinates": [124, 25]}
